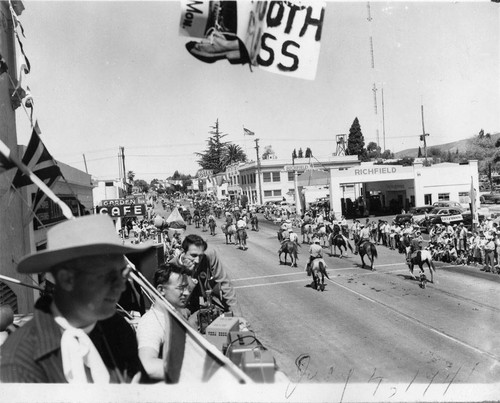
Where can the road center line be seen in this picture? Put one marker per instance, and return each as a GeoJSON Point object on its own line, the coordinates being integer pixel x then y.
{"type": "Point", "coordinates": [302, 272]}
{"type": "Point", "coordinates": [264, 284]}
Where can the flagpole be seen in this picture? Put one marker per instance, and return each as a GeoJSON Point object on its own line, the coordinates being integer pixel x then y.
{"type": "Point", "coordinates": [43, 187]}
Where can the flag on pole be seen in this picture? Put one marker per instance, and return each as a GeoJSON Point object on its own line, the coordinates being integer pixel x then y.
{"type": "Point", "coordinates": [39, 161]}
{"type": "Point", "coordinates": [248, 132]}
{"type": "Point", "coordinates": [5, 164]}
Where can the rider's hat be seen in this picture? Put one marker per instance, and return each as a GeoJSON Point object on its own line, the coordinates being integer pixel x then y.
{"type": "Point", "coordinates": [315, 240]}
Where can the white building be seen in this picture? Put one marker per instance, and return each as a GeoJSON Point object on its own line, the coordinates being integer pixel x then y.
{"type": "Point", "coordinates": [108, 189]}
{"type": "Point", "coordinates": [277, 176]}
{"type": "Point", "coordinates": [389, 188]}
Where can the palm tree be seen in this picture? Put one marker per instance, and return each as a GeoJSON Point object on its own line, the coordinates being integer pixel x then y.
{"type": "Point", "coordinates": [233, 153]}
{"type": "Point", "coordinates": [130, 176]}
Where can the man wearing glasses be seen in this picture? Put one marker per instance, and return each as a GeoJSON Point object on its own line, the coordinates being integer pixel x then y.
{"type": "Point", "coordinates": [171, 281]}
{"type": "Point", "coordinates": [76, 336]}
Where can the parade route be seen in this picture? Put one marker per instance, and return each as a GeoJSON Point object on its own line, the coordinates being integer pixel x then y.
{"type": "Point", "coordinates": [367, 325]}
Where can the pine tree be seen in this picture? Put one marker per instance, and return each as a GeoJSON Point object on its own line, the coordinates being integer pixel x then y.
{"type": "Point", "coordinates": [301, 155]}
{"type": "Point", "coordinates": [213, 156]}
{"type": "Point", "coordinates": [308, 153]}
{"type": "Point", "coordinates": [419, 155]}
{"type": "Point", "coordinates": [294, 154]}
{"type": "Point", "coordinates": [356, 141]}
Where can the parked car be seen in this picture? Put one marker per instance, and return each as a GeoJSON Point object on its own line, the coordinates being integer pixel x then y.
{"type": "Point", "coordinates": [444, 215]}
{"type": "Point", "coordinates": [415, 214]}
{"type": "Point", "coordinates": [490, 198]}
{"type": "Point", "coordinates": [447, 204]}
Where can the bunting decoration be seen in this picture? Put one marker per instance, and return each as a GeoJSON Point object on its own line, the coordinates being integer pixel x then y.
{"type": "Point", "coordinates": [17, 24]}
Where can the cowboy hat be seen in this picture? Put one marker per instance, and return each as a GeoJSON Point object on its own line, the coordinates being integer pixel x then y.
{"type": "Point", "coordinates": [85, 236]}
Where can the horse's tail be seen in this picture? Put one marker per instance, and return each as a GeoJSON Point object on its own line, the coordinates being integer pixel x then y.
{"type": "Point", "coordinates": [373, 250]}
{"type": "Point", "coordinates": [349, 244]}
{"type": "Point", "coordinates": [323, 269]}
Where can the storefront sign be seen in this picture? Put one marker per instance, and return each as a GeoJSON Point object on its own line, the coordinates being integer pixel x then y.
{"type": "Point", "coordinates": [451, 218]}
{"type": "Point", "coordinates": [375, 171]}
{"type": "Point", "coordinates": [118, 202]}
{"type": "Point", "coordinates": [301, 167]}
{"type": "Point", "coordinates": [123, 210]}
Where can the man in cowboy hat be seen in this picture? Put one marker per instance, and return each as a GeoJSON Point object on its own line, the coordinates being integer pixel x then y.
{"type": "Point", "coordinates": [76, 336]}
{"type": "Point", "coordinates": [315, 252]}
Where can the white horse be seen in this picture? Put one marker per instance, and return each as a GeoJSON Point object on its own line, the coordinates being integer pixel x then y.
{"type": "Point", "coordinates": [421, 257]}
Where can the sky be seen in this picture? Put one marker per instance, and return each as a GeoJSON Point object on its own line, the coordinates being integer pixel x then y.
{"type": "Point", "coordinates": [107, 74]}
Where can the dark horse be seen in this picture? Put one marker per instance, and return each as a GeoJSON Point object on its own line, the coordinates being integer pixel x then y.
{"type": "Point", "coordinates": [212, 225]}
{"type": "Point", "coordinates": [241, 238]}
{"type": "Point", "coordinates": [289, 248]}
{"type": "Point", "coordinates": [338, 241]}
{"type": "Point", "coordinates": [367, 248]}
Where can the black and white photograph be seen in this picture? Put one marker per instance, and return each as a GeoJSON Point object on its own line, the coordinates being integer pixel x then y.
{"type": "Point", "coordinates": [249, 201]}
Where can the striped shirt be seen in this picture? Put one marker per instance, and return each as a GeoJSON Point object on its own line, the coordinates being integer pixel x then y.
{"type": "Point", "coordinates": [32, 353]}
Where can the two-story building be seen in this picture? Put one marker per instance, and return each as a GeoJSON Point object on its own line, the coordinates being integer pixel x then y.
{"type": "Point", "coordinates": [277, 176]}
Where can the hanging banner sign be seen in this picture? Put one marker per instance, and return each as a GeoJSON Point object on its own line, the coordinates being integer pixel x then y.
{"type": "Point", "coordinates": [123, 210]}
{"type": "Point", "coordinates": [278, 36]}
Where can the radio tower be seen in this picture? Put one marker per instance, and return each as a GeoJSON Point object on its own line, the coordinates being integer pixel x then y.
{"type": "Point", "coordinates": [372, 55]}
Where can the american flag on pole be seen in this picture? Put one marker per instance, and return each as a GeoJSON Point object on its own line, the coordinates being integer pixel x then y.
{"type": "Point", "coordinates": [248, 132]}
{"type": "Point", "coordinates": [38, 159]}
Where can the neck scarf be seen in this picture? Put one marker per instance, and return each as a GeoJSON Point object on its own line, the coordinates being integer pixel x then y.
{"type": "Point", "coordinates": [78, 352]}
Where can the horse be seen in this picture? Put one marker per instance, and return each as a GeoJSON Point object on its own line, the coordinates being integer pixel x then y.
{"type": "Point", "coordinates": [241, 238]}
{"type": "Point", "coordinates": [289, 248]}
{"type": "Point", "coordinates": [421, 257]}
{"type": "Point", "coordinates": [229, 231]}
{"type": "Point", "coordinates": [322, 231]}
{"type": "Point", "coordinates": [212, 225]}
{"type": "Point", "coordinates": [318, 267]}
{"type": "Point", "coordinates": [306, 230]}
{"type": "Point", "coordinates": [196, 220]}
{"type": "Point", "coordinates": [338, 241]}
{"type": "Point", "coordinates": [255, 223]}
{"type": "Point", "coordinates": [367, 248]}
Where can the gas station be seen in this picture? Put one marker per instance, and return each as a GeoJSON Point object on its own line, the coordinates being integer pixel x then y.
{"type": "Point", "coordinates": [390, 188]}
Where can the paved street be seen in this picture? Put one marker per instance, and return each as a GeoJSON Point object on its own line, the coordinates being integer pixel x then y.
{"type": "Point", "coordinates": [366, 326]}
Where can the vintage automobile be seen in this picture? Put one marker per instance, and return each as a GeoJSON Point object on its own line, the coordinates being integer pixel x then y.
{"type": "Point", "coordinates": [490, 198]}
{"type": "Point", "coordinates": [444, 215]}
{"type": "Point", "coordinates": [415, 214]}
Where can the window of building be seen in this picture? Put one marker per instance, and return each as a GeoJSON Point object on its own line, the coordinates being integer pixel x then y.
{"type": "Point", "coordinates": [291, 176]}
{"type": "Point", "coordinates": [443, 196]}
{"type": "Point", "coordinates": [428, 199]}
{"type": "Point", "coordinates": [277, 192]}
{"type": "Point", "coordinates": [266, 176]}
{"type": "Point", "coordinates": [276, 176]}
{"type": "Point", "coordinates": [268, 193]}
{"type": "Point", "coordinates": [223, 192]}
{"type": "Point", "coordinates": [253, 178]}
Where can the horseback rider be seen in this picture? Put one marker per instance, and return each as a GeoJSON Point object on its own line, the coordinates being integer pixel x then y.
{"type": "Point", "coordinates": [229, 219]}
{"type": "Point", "coordinates": [293, 236]}
{"type": "Point", "coordinates": [415, 245]}
{"type": "Point", "coordinates": [315, 252]}
{"type": "Point", "coordinates": [364, 235]}
{"type": "Point", "coordinates": [211, 217]}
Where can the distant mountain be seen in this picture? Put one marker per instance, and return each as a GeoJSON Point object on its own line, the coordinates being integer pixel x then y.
{"type": "Point", "coordinates": [461, 145]}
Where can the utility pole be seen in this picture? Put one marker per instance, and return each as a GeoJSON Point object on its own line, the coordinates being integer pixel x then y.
{"type": "Point", "coordinates": [85, 162]}
{"type": "Point", "coordinates": [122, 150]}
{"type": "Point", "coordinates": [258, 170]}
{"type": "Point", "coordinates": [424, 134]}
{"type": "Point", "coordinates": [383, 117]}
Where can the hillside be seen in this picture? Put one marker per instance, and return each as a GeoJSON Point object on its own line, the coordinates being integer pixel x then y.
{"type": "Point", "coordinates": [462, 146]}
